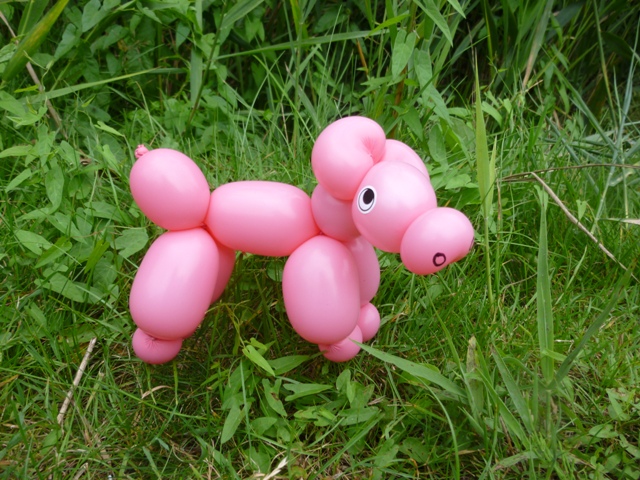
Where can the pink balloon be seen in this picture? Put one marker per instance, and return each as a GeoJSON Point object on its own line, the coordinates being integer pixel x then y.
{"type": "Point", "coordinates": [390, 197]}
{"type": "Point", "coordinates": [368, 268]}
{"type": "Point", "coordinates": [369, 322]}
{"type": "Point", "coordinates": [153, 350]}
{"type": "Point", "coordinates": [344, 349]}
{"type": "Point", "coordinates": [436, 239]}
{"type": "Point", "coordinates": [333, 216]}
{"type": "Point", "coordinates": [344, 152]}
{"type": "Point", "coordinates": [396, 151]}
{"type": "Point", "coordinates": [263, 218]}
{"type": "Point", "coordinates": [175, 283]}
{"type": "Point", "coordinates": [226, 261]}
{"type": "Point", "coordinates": [321, 293]}
{"type": "Point", "coordinates": [170, 189]}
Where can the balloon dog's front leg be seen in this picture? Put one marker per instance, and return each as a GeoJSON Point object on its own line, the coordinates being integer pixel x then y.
{"type": "Point", "coordinates": [322, 296]}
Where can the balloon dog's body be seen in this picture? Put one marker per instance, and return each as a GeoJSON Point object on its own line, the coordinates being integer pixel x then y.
{"type": "Point", "coordinates": [372, 192]}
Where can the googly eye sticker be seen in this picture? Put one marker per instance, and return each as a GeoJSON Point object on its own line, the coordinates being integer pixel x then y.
{"type": "Point", "coordinates": [366, 199]}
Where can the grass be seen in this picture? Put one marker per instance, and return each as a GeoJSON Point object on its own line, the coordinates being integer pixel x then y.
{"type": "Point", "coordinates": [519, 361]}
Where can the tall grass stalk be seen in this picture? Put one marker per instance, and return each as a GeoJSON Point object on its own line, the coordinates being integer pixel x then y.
{"type": "Point", "coordinates": [485, 166]}
{"type": "Point", "coordinates": [543, 297]}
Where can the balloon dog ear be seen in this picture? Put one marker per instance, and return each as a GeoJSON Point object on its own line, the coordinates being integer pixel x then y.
{"type": "Point", "coordinates": [396, 151]}
{"type": "Point", "coordinates": [344, 152]}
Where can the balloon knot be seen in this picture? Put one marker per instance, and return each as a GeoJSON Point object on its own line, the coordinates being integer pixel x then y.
{"type": "Point", "coordinates": [140, 151]}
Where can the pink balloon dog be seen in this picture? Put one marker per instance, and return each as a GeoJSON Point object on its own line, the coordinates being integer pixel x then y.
{"type": "Point", "coordinates": [371, 192]}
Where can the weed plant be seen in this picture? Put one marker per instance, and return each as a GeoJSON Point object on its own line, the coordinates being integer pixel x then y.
{"type": "Point", "coordinates": [519, 361]}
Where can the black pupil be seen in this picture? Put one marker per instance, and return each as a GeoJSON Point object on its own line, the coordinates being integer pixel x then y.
{"type": "Point", "coordinates": [367, 196]}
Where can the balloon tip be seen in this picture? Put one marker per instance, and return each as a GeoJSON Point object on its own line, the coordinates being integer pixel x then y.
{"type": "Point", "coordinates": [140, 151]}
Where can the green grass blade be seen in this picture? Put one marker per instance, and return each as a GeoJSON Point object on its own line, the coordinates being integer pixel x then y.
{"type": "Point", "coordinates": [61, 92]}
{"type": "Point", "coordinates": [486, 176]}
{"type": "Point", "coordinates": [196, 70]}
{"type": "Point", "coordinates": [514, 392]}
{"type": "Point", "coordinates": [543, 296]}
{"type": "Point", "coordinates": [541, 30]}
{"type": "Point", "coordinates": [32, 41]}
{"type": "Point", "coordinates": [431, 10]}
{"type": "Point", "coordinates": [238, 11]}
{"type": "Point", "coordinates": [566, 365]}
{"type": "Point", "coordinates": [31, 14]}
{"type": "Point", "coordinates": [420, 371]}
{"type": "Point", "coordinates": [510, 422]}
{"type": "Point", "coordinates": [486, 179]}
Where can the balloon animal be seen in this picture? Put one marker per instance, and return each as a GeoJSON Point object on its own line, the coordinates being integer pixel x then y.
{"type": "Point", "coordinates": [372, 192]}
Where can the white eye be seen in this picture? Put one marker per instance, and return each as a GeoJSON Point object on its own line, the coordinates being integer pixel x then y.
{"type": "Point", "coordinates": [366, 199]}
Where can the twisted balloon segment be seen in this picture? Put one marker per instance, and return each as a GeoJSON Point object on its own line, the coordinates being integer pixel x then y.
{"type": "Point", "coordinates": [371, 192]}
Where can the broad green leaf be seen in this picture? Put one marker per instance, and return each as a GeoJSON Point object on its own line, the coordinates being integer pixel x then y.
{"type": "Point", "coordinates": [412, 119]}
{"type": "Point", "coordinates": [354, 416]}
{"type": "Point", "coordinates": [458, 181]}
{"type": "Point", "coordinates": [65, 225]}
{"type": "Point", "coordinates": [7, 52]}
{"type": "Point", "coordinates": [423, 68]}
{"type": "Point", "coordinates": [231, 423]}
{"type": "Point", "coordinates": [343, 380]}
{"type": "Point", "coordinates": [603, 431]}
{"type": "Point", "coordinates": [436, 144]}
{"type": "Point", "coordinates": [582, 208]}
{"type": "Point", "coordinates": [32, 241]}
{"type": "Point", "coordinates": [271, 395]}
{"type": "Point", "coordinates": [430, 7]}
{"type": "Point", "coordinates": [11, 105]}
{"type": "Point", "coordinates": [252, 354]}
{"type": "Point", "coordinates": [422, 371]}
{"type": "Point", "coordinates": [30, 116]}
{"type": "Point", "coordinates": [131, 241]}
{"type": "Point", "coordinates": [69, 41]}
{"type": "Point", "coordinates": [100, 247]}
{"type": "Point", "coordinates": [16, 151]}
{"type": "Point", "coordinates": [93, 13]}
{"type": "Point", "coordinates": [62, 245]}
{"type": "Point", "coordinates": [32, 41]}
{"type": "Point", "coordinates": [510, 462]}
{"type": "Point", "coordinates": [402, 49]}
{"type": "Point", "coordinates": [17, 181]}
{"type": "Point", "coordinates": [67, 288]}
{"type": "Point", "coordinates": [304, 389]}
{"type": "Point", "coordinates": [104, 210]}
{"type": "Point", "coordinates": [109, 158]}
{"type": "Point", "coordinates": [262, 424]}
{"type": "Point", "coordinates": [100, 125]}
{"type": "Point", "coordinates": [285, 364]}
{"type": "Point", "coordinates": [54, 184]}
